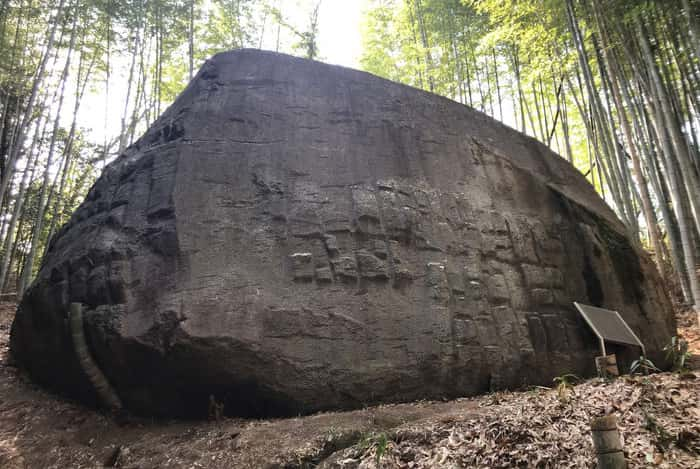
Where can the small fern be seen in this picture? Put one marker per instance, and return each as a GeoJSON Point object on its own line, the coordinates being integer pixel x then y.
{"type": "Point", "coordinates": [643, 365]}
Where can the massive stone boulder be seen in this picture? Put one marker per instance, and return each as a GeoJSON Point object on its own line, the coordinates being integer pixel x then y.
{"type": "Point", "coordinates": [291, 236]}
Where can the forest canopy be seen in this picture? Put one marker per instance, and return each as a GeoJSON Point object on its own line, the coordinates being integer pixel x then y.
{"type": "Point", "coordinates": [611, 85]}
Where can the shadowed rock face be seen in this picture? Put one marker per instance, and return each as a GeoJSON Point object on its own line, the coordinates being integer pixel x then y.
{"type": "Point", "coordinates": [291, 236]}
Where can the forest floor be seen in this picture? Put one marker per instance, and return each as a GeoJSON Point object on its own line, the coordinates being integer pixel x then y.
{"type": "Point", "coordinates": [658, 415]}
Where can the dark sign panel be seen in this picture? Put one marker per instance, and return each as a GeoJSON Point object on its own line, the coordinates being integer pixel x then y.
{"type": "Point", "coordinates": [609, 326]}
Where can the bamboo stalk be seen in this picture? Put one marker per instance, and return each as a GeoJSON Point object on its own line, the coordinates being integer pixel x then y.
{"type": "Point", "coordinates": [106, 393]}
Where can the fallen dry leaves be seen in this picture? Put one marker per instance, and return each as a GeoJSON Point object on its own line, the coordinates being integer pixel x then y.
{"type": "Point", "coordinates": [659, 419]}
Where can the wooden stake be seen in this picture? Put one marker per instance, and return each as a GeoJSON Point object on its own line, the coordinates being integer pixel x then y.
{"type": "Point", "coordinates": [607, 444]}
{"type": "Point", "coordinates": [607, 366]}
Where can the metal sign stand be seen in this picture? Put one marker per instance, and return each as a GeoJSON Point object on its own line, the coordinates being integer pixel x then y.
{"type": "Point", "coordinates": [608, 326]}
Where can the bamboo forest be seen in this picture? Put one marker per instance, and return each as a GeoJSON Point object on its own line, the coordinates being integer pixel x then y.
{"type": "Point", "coordinates": [349, 234]}
{"type": "Point", "coordinates": [612, 86]}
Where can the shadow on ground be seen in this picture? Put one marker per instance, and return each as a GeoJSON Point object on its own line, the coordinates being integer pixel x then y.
{"type": "Point", "coordinates": [659, 415]}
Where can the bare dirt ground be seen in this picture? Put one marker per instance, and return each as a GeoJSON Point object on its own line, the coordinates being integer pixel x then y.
{"type": "Point", "coordinates": [659, 417]}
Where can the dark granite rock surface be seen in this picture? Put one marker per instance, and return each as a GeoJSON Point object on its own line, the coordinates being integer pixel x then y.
{"type": "Point", "coordinates": [291, 236]}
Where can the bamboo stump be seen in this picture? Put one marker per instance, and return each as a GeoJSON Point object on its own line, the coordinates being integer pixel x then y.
{"type": "Point", "coordinates": [607, 444]}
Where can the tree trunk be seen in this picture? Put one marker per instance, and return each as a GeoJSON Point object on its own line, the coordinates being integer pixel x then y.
{"type": "Point", "coordinates": [618, 158]}
{"type": "Point", "coordinates": [543, 135]}
{"type": "Point", "coordinates": [28, 114]}
{"type": "Point", "coordinates": [415, 41]}
{"type": "Point", "coordinates": [644, 128]}
{"type": "Point", "coordinates": [79, 93]}
{"type": "Point", "coordinates": [692, 27]}
{"type": "Point", "coordinates": [108, 72]}
{"type": "Point", "coordinates": [690, 177]}
{"type": "Point", "coordinates": [27, 176]}
{"type": "Point", "coordinates": [498, 86]}
{"type": "Point", "coordinates": [543, 101]}
{"type": "Point", "coordinates": [426, 45]}
{"type": "Point", "coordinates": [468, 77]}
{"type": "Point", "coordinates": [565, 127]}
{"type": "Point", "coordinates": [597, 113]}
{"type": "Point", "coordinates": [38, 224]}
{"type": "Point", "coordinates": [489, 93]}
{"type": "Point", "coordinates": [516, 70]}
{"type": "Point", "coordinates": [677, 194]}
{"type": "Point", "coordinates": [647, 206]}
{"type": "Point", "coordinates": [190, 39]}
{"type": "Point", "coordinates": [123, 134]}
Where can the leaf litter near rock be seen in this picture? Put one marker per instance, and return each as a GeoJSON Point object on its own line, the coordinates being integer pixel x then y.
{"type": "Point", "coordinates": [659, 419]}
{"type": "Point", "coordinates": [658, 416]}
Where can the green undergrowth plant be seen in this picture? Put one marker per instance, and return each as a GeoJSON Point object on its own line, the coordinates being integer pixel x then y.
{"type": "Point", "coordinates": [677, 353]}
{"type": "Point", "coordinates": [661, 435]}
{"type": "Point", "coordinates": [643, 365]}
{"type": "Point", "coordinates": [565, 384]}
{"type": "Point", "coordinates": [377, 440]}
